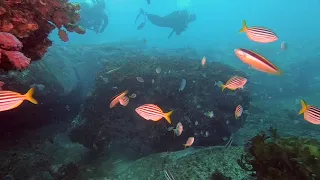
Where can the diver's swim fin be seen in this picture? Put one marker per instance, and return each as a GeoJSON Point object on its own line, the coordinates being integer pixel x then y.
{"type": "Point", "coordinates": [141, 25]}
{"type": "Point", "coordinates": [171, 33]}
{"type": "Point", "coordinates": [141, 12]}
{"type": "Point", "coordinates": [145, 19]}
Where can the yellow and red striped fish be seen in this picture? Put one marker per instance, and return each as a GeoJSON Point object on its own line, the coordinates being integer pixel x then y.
{"type": "Point", "coordinates": [234, 83]}
{"type": "Point", "coordinates": [10, 100]}
{"type": "Point", "coordinates": [256, 61]}
{"type": "Point", "coordinates": [115, 100]}
{"type": "Point", "coordinates": [259, 34]}
{"type": "Point", "coordinates": [311, 113]}
{"type": "Point", "coordinates": [124, 101]}
{"type": "Point", "coordinates": [153, 112]}
{"type": "Point", "coordinates": [238, 111]}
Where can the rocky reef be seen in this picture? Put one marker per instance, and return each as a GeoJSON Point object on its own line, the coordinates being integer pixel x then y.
{"type": "Point", "coordinates": [98, 126]}
{"type": "Point", "coordinates": [269, 156]}
{"type": "Point", "coordinates": [25, 26]}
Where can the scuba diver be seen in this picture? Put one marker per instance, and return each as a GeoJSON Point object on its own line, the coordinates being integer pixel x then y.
{"type": "Point", "coordinates": [177, 20]}
{"type": "Point", "coordinates": [93, 15]}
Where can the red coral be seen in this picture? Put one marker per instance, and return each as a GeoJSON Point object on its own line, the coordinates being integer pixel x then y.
{"type": "Point", "coordinates": [18, 60]}
{"type": "Point", "coordinates": [9, 41]}
{"type": "Point", "coordinates": [31, 21]}
{"type": "Point", "coordinates": [63, 35]}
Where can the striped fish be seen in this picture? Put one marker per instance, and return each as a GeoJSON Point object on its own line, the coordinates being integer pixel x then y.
{"type": "Point", "coordinates": [153, 112]}
{"type": "Point", "coordinates": [10, 100]}
{"type": "Point", "coordinates": [238, 111]}
{"type": "Point", "coordinates": [259, 34]}
{"type": "Point", "coordinates": [234, 83]}
{"type": "Point", "coordinates": [124, 101]}
{"type": "Point", "coordinates": [115, 100]}
{"type": "Point", "coordinates": [311, 113]}
{"type": "Point", "coordinates": [256, 61]}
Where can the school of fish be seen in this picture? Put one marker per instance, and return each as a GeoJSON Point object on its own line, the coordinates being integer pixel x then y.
{"type": "Point", "coordinates": [10, 100]}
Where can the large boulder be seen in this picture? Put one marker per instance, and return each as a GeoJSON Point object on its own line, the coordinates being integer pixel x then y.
{"type": "Point", "coordinates": [98, 126]}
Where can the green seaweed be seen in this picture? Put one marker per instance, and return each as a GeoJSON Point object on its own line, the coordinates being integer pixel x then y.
{"type": "Point", "coordinates": [269, 156]}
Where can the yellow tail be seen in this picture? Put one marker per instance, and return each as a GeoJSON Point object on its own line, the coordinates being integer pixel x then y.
{"type": "Point", "coordinates": [29, 95]}
{"type": "Point", "coordinates": [223, 87]}
{"type": "Point", "coordinates": [185, 145]}
{"type": "Point", "coordinates": [244, 26]}
{"type": "Point", "coordinates": [167, 116]}
{"type": "Point", "coordinates": [304, 107]}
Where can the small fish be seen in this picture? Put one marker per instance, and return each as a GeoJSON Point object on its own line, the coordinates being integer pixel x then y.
{"type": "Point", "coordinates": [259, 34]}
{"type": "Point", "coordinates": [189, 142]}
{"type": "Point", "coordinates": [124, 101]}
{"type": "Point", "coordinates": [196, 123]}
{"type": "Point", "coordinates": [256, 61]}
{"type": "Point", "coordinates": [140, 79]}
{"type": "Point", "coordinates": [209, 114]}
{"type": "Point", "coordinates": [115, 99]}
{"type": "Point", "coordinates": [153, 112]}
{"type": "Point", "coordinates": [284, 45]}
{"type": "Point", "coordinates": [133, 95]}
{"type": "Point", "coordinates": [113, 70]}
{"type": "Point", "coordinates": [238, 111]}
{"type": "Point", "coordinates": [10, 100]}
{"type": "Point", "coordinates": [182, 84]}
{"type": "Point", "coordinates": [311, 113]}
{"type": "Point", "coordinates": [229, 143]}
{"type": "Point", "coordinates": [206, 134]}
{"type": "Point", "coordinates": [1, 84]}
{"type": "Point", "coordinates": [178, 130]}
{"type": "Point", "coordinates": [158, 70]}
{"type": "Point", "coordinates": [152, 81]}
{"type": "Point", "coordinates": [234, 83]}
{"type": "Point", "coordinates": [219, 83]}
{"type": "Point", "coordinates": [203, 61]}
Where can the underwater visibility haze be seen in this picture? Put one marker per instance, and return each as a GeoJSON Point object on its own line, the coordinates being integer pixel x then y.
{"type": "Point", "coordinates": [159, 89]}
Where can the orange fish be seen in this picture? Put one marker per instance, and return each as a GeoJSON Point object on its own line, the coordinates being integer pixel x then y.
{"type": "Point", "coordinates": [203, 61]}
{"type": "Point", "coordinates": [256, 61]}
{"type": "Point", "coordinates": [10, 100]}
{"type": "Point", "coordinates": [311, 113]}
{"type": "Point", "coordinates": [124, 101]}
{"type": "Point", "coordinates": [238, 111]}
{"type": "Point", "coordinates": [234, 83]}
{"type": "Point", "coordinates": [153, 112]}
{"type": "Point", "coordinates": [189, 142]}
{"type": "Point", "coordinates": [116, 99]}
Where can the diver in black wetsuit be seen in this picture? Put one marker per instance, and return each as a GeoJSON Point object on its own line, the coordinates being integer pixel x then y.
{"type": "Point", "coordinates": [93, 15]}
{"type": "Point", "coordinates": [177, 20]}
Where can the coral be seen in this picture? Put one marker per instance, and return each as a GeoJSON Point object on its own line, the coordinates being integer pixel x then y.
{"type": "Point", "coordinates": [16, 58]}
{"type": "Point", "coordinates": [281, 158]}
{"type": "Point", "coordinates": [32, 21]}
{"type": "Point", "coordinates": [9, 47]}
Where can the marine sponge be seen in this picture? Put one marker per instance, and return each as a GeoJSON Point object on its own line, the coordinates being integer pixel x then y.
{"type": "Point", "coordinates": [269, 156]}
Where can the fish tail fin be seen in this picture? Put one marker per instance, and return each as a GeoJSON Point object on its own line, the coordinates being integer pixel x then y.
{"type": "Point", "coordinates": [304, 107]}
{"type": "Point", "coordinates": [29, 95]}
{"type": "Point", "coordinates": [185, 145]}
{"type": "Point", "coordinates": [167, 116]}
{"type": "Point", "coordinates": [223, 87]}
{"type": "Point", "coordinates": [244, 26]}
